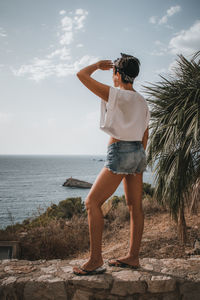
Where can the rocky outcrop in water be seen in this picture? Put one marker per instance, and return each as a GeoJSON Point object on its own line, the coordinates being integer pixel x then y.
{"type": "Point", "coordinates": [72, 182]}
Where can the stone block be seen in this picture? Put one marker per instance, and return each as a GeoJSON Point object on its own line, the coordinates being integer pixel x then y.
{"type": "Point", "coordinates": [49, 269]}
{"type": "Point", "coordinates": [161, 284]}
{"type": "Point", "coordinates": [127, 282]}
{"type": "Point", "coordinates": [171, 296]}
{"type": "Point", "coordinates": [11, 289]}
{"type": "Point", "coordinates": [149, 296]}
{"type": "Point", "coordinates": [36, 290]}
{"type": "Point", "coordinates": [82, 295]}
{"type": "Point", "coordinates": [100, 281]}
{"type": "Point", "coordinates": [190, 290]}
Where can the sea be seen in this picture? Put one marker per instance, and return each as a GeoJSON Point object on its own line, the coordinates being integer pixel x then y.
{"type": "Point", "coordinates": [31, 183]}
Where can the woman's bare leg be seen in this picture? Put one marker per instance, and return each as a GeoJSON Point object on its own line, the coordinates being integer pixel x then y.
{"type": "Point", "coordinates": [133, 194]}
{"type": "Point", "coordinates": [103, 187]}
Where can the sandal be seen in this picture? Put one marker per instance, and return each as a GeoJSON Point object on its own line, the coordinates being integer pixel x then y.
{"type": "Point", "coordinates": [98, 270]}
{"type": "Point", "coordinates": [118, 263]}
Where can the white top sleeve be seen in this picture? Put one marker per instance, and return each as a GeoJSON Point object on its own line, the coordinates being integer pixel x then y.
{"type": "Point", "coordinates": [112, 97]}
{"type": "Point", "coordinates": [107, 108]}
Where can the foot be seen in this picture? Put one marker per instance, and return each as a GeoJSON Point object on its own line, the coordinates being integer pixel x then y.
{"type": "Point", "coordinates": [127, 260]}
{"type": "Point", "coordinates": [91, 264]}
{"type": "Point", "coordinates": [88, 266]}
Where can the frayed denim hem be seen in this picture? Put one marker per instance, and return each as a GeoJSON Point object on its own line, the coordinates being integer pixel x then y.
{"type": "Point", "coordinates": [115, 172]}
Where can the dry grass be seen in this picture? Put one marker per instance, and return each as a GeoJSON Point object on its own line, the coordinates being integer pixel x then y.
{"type": "Point", "coordinates": [49, 238]}
{"type": "Point", "coordinates": [58, 239]}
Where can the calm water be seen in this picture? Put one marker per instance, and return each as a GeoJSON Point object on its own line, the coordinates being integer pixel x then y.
{"type": "Point", "coordinates": [31, 183]}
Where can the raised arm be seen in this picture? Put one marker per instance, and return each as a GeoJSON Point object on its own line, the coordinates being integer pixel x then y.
{"type": "Point", "coordinates": [98, 88]}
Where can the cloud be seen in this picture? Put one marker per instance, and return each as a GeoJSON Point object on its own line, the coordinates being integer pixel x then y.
{"type": "Point", "coordinates": [2, 32]}
{"type": "Point", "coordinates": [67, 38]}
{"type": "Point", "coordinates": [80, 18]}
{"type": "Point", "coordinates": [39, 69]}
{"type": "Point", "coordinates": [67, 23]}
{"type": "Point", "coordinates": [153, 19]}
{"type": "Point", "coordinates": [172, 66]}
{"type": "Point", "coordinates": [171, 70]}
{"type": "Point", "coordinates": [170, 12]}
{"type": "Point", "coordinates": [186, 41]}
{"type": "Point", "coordinates": [59, 62]}
{"type": "Point", "coordinates": [62, 53]}
{"type": "Point", "coordinates": [70, 25]}
{"type": "Point", "coordinates": [43, 68]}
{"type": "Point", "coordinates": [62, 12]}
{"type": "Point", "coordinates": [160, 50]}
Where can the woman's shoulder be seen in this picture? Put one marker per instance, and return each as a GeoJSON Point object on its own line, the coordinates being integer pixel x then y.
{"type": "Point", "coordinates": [132, 94]}
{"type": "Point", "coordinates": [128, 94]}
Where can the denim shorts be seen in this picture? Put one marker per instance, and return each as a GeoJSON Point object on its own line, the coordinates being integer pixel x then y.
{"type": "Point", "coordinates": [126, 157]}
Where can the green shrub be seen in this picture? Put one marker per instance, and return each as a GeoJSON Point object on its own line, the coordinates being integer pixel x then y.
{"type": "Point", "coordinates": [67, 208]}
{"type": "Point", "coordinates": [147, 189]}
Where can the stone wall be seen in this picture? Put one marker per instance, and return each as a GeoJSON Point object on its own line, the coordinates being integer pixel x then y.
{"type": "Point", "coordinates": [162, 279]}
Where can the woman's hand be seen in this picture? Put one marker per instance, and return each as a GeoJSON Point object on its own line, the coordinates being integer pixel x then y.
{"type": "Point", "coordinates": [105, 64]}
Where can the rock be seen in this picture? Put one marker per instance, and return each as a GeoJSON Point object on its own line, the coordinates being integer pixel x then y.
{"type": "Point", "coordinates": [100, 159]}
{"type": "Point", "coordinates": [160, 284]}
{"type": "Point", "coordinates": [82, 295]}
{"type": "Point", "coordinates": [72, 182]}
{"type": "Point", "coordinates": [54, 279]}
{"type": "Point", "coordinates": [36, 290]}
{"type": "Point", "coordinates": [190, 290]}
{"type": "Point", "coordinates": [127, 282]}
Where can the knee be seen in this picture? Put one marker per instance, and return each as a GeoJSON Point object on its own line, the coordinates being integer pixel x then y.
{"type": "Point", "coordinates": [89, 202]}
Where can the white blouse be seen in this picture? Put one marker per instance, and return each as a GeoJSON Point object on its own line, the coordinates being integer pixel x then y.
{"type": "Point", "coordinates": [125, 116]}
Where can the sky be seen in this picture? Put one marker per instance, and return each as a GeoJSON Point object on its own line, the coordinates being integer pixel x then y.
{"type": "Point", "coordinates": [44, 108]}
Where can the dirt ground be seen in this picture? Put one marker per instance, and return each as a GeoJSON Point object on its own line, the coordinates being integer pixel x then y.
{"type": "Point", "coordinates": [159, 238]}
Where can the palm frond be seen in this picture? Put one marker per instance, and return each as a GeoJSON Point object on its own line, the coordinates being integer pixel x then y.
{"type": "Point", "coordinates": [174, 146]}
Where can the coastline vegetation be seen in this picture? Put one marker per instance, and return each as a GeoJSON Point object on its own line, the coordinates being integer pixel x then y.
{"type": "Point", "coordinates": [62, 230]}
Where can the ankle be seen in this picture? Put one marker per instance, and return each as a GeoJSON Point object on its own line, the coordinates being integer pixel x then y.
{"type": "Point", "coordinates": [96, 260]}
{"type": "Point", "coordinates": [133, 256]}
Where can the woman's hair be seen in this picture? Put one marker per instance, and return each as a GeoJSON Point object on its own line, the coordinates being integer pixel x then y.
{"type": "Point", "coordinates": [128, 66]}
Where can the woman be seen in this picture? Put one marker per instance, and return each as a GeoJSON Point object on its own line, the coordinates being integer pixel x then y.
{"type": "Point", "coordinates": [125, 117]}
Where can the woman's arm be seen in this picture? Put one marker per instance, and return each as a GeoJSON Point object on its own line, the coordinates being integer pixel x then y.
{"type": "Point", "coordinates": [98, 88]}
{"type": "Point", "coordinates": [145, 138]}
